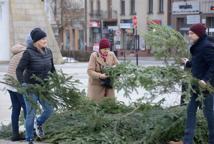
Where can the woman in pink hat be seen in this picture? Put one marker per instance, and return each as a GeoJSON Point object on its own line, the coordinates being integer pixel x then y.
{"type": "Point", "coordinates": [99, 84]}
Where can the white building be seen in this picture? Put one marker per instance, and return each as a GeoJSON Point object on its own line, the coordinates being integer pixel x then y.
{"type": "Point", "coordinates": [17, 19]}
{"type": "Point", "coordinates": [4, 31]}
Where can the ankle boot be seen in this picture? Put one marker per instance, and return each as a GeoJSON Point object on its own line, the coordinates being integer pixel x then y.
{"type": "Point", "coordinates": [17, 137]}
{"type": "Point", "coordinates": [173, 142]}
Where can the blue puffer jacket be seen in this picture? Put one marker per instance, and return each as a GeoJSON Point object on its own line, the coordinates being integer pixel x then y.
{"type": "Point", "coordinates": [202, 61]}
{"type": "Point", "coordinates": [35, 63]}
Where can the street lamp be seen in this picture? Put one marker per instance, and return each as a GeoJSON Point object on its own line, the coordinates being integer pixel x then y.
{"type": "Point", "coordinates": [136, 36]}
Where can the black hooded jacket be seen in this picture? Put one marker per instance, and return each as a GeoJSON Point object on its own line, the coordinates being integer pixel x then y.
{"type": "Point", "coordinates": [33, 62]}
{"type": "Point", "coordinates": [202, 61]}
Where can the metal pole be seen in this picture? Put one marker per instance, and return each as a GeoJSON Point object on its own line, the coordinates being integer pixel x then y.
{"type": "Point", "coordinates": [62, 25]}
{"type": "Point", "coordinates": [86, 22]}
{"type": "Point", "coordinates": [124, 51]}
{"type": "Point", "coordinates": [136, 46]}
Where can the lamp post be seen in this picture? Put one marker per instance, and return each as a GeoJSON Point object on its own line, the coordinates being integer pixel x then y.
{"type": "Point", "coordinates": [86, 22]}
{"type": "Point", "coordinates": [136, 37]}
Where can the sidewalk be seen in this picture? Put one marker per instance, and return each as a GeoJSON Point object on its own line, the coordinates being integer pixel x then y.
{"type": "Point", "coordinates": [21, 142]}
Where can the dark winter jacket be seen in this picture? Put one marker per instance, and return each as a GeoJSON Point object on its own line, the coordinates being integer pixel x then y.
{"type": "Point", "coordinates": [35, 63]}
{"type": "Point", "coordinates": [202, 62]}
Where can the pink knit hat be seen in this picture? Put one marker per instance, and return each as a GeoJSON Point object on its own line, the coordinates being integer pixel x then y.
{"type": "Point", "coordinates": [199, 29]}
{"type": "Point", "coordinates": [104, 43]}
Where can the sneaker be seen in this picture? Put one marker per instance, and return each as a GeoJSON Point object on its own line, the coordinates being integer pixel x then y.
{"type": "Point", "coordinates": [34, 133]}
{"type": "Point", "coordinates": [30, 142]}
{"type": "Point", "coordinates": [39, 130]}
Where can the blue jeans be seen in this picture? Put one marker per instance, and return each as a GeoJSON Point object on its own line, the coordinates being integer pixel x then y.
{"type": "Point", "coordinates": [208, 111]}
{"type": "Point", "coordinates": [30, 102]}
{"type": "Point", "coordinates": [17, 101]}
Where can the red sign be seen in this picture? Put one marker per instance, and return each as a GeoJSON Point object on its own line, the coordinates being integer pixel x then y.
{"type": "Point", "coordinates": [154, 22]}
{"type": "Point", "coordinates": [94, 24]}
{"type": "Point", "coordinates": [134, 21]}
{"type": "Point", "coordinates": [212, 8]}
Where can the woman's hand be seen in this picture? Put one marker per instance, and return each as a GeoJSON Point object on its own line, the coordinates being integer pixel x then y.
{"type": "Point", "coordinates": [202, 83]}
{"type": "Point", "coordinates": [103, 76]}
{"type": "Point", "coordinates": [184, 60]}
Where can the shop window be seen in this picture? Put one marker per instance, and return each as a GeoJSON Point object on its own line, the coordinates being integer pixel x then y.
{"type": "Point", "coordinates": [150, 6]}
{"type": "Point", "coordinates": [73, 39]}
{"type": "Point", "coordinates": [210, 26]}
{"type": "Point", "coordinates": [81, 40]}
{"type": "Point", "coordinates": [67, 40]}
{"type": "Point", "coordinates": [122, 7]}
{"type": "Point", "coordinates": [182, 26]}
{"type": "Point", "coordinates": [161, 7]}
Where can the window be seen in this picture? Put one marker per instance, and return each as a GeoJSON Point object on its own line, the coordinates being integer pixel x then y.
{"type": "Point", "coordinates": [109, 6]}
{"type": "Point", "coordinates": [92, 6]}
{"type": "Point", "coordinates": [150, 6]}
{"type": "Point", "coordinates": [160, 6]}
{"type": "Point", "coordinates": [132, 7]}
{"type": "Point", "coordinates": [122, 7]}
{"type": "Point", "coordinates": [98, 6]}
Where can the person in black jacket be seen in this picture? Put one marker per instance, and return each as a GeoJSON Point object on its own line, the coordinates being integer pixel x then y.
{"type": "Point", "coordinates": [202, 68]}
{"type": "Point", "coordinates": [36, 60]}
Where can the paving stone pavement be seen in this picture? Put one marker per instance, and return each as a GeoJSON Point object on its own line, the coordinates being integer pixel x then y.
{"type": "Point", "coordinates": [21, 142]}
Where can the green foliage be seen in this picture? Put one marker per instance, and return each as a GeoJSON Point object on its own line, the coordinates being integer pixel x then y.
{"type": "Point", "coordinates": [59, 89]}
{"type": "Point", "coordinates": [155, 79]}
{"type": "Point", "coordinates": [111, 122]}
{"type": "Point", "coordinates": [166, 42]}
{"type": "Point", "coordinates": [5, 131]}
{"type": "Point", "coordinates": [145, 125]}
{"type": "Point", "coordinates": [80, 121]}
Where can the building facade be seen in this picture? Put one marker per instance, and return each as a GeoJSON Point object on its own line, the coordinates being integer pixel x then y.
{"type": "Point", "coordinates": [80, 24]}
{"type": "Point", "coordinates": [4, 31]}
{"type": "Point", "coordinates": [113, 19]}
{"type": "Point", "coordinates": [186, 13]}
{"type": "Point", "coordinates": [17, 19]}
{"type": "Point", "coordinates": [68, 20]}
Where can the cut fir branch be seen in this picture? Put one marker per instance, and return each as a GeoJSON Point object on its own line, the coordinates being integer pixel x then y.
{"type": "Point", "coordinates": [154, 79]}
{"type": "Point", "coordinates": [59, 89]}
{"type": "Point", "coordinates": [166, 43]}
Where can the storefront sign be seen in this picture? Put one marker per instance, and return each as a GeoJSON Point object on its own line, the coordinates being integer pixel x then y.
{"type": "Point", "coordinates": [113, 28]}
{"type": "Point", "coordinates": [96, 47]}
{"type": "Point", "coordinates": [118, 32]}
{"type": "Point", "coordinates": [94, 24]}
{"type": "Point", "coordinates": [126, 25]}
{"type": "Point", "coordinates": [154, 22]}
{"type": "Point", "coordinates": [193, 19]}
{"type": "Point", "coordinates": [204, 21]}
{"type": "Point", "coordinates": [188, 7]}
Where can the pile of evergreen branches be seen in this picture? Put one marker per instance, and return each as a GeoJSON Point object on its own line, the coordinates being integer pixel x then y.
{"type": "Point", "coordinates": [80, 121]}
